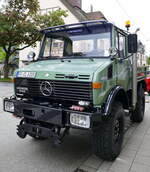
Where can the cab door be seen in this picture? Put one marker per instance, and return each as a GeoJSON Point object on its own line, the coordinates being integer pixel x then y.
{"type": "Point", "coordinates": [123, 77]}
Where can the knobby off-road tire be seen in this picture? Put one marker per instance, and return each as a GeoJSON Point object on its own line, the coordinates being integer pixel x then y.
{"type": "Point", "coordinates": [107, 140]}
{"type": "Point", "coordinates": [138, 114]}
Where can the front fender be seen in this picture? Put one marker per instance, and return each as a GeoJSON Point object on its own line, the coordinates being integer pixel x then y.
{"type": "Point", "coordinates": [116, 94]}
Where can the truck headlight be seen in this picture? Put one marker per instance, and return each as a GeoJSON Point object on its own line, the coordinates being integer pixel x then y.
{"type": "Point", "coordinates": [8, 106]}
{"type": "Point", "coordinates": [80, 120]}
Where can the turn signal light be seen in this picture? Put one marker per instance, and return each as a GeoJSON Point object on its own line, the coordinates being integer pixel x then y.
{"type": "Point", "coordinates": [97, 85]}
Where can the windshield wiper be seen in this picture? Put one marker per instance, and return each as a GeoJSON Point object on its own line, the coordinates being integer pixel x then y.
{"type": "Point", "coordinates": [49, 58]}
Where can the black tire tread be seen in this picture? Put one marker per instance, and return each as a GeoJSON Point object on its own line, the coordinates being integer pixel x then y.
{"type": "Point", "coordinates": [101, 138]}
{"type": "Point", "coordinates": [137, 114]}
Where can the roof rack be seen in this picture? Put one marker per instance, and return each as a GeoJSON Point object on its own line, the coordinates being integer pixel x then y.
{"type": "Point", "coordinates": [67, 26]}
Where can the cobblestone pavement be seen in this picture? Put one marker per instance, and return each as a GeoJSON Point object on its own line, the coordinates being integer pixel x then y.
{"type": "Point", "coordinates": [29, 155]}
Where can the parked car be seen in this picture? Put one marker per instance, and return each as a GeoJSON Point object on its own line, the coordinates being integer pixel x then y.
{"type": "Point", "coordinates": [148, 80]}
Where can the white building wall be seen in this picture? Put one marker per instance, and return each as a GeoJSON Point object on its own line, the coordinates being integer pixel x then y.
{"type": "Point", "coordinates": [43, 5]}
{"type": "Point", "coordinates": [57, 3]}
{"type": "Point", "coordinates": [141, 59]}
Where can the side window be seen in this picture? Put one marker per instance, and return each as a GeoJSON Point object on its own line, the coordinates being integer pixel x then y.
{"type": "Point", "coordinates": [57, 47]}
{"type": "Point", "coordinates": [47, 47]}
{"type": "Point", "coordinates": [117, 42]}
{"type": "Point", "coordinates": [121, 44]}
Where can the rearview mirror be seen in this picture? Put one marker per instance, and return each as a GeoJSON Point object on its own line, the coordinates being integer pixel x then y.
{"type": "Point", "coordinates": [132, 43]}
{"type": "Point", "coordinates": [31, 56]}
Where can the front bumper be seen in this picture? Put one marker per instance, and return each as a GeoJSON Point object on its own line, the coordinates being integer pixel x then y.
{"type": "Point", "coordinates": [50, 115]}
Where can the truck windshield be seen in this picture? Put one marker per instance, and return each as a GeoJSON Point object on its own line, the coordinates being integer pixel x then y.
{"type": "Point", "coordinates": [88, 45]}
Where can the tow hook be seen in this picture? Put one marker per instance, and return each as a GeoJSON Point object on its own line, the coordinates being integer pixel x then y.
{"type": "Point", "coordinates": [58, 138]}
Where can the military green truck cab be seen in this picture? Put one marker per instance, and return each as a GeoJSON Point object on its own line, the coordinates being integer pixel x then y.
{"type": "Point", "coordinates": [82, 79]}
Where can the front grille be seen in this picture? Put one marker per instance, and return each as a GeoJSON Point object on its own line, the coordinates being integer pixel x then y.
{"type": "Point", "coordinates": [63, 90]}
{"type": "Point", "coordinates": [85, 77]}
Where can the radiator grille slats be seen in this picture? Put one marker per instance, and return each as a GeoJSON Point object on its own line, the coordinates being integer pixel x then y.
{"type": "Point", "coordinates": [83, 77]}
{"type": "Point", "coordinates": [63, 90]}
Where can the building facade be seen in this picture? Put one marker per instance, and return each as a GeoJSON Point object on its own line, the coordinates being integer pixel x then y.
{"type": "Point", "coordinates": [75, 14]}
{"type": "Point", "coordinates": [141, 57]}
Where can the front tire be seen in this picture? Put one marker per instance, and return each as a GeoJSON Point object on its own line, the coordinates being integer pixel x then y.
{"type": "Point", "coordinates": [138, 113]}
{"type": "Point", "coordinates": [107, 140]}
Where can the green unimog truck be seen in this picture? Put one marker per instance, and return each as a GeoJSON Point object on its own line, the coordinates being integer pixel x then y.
{"type": "Point", "coordinates": [85, 77]}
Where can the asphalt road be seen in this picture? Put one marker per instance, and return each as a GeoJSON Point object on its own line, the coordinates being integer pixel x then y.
{"type": "Point", "coordinates": [29, 155]}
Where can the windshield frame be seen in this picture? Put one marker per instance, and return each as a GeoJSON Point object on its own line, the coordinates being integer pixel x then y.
{"type": "Point", "coordinates": [58, 34]}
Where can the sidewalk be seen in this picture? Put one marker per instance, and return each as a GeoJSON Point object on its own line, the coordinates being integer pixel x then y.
{"type": "Point", "coordinates": [135, 155]}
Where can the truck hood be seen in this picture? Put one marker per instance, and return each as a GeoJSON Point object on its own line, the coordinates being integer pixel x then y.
{"type": "Point", "coordinates": [57, 69]}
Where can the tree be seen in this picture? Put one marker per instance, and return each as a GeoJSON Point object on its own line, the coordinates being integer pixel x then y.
{"type": "Point", "coordinates": [20, 22]}
{"type": "Point", "coordinates": [2, 54]}
{"type": "Point", "coordinates": [148, 60]}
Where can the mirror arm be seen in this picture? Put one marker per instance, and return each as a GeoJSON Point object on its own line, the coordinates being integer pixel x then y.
{"type": "Point", "coordinates": [112, 58]}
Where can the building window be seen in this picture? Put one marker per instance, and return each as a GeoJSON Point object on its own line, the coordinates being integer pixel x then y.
{"type": "Point", "coordinates": [47, 10]}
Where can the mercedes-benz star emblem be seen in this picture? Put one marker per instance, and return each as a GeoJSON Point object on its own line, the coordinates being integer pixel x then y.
{"type": "Point", "coordinates": [46, 88]}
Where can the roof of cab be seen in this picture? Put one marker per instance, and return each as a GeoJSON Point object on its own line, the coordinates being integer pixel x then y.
{"type": "Point", "coordinates": [74, 25]}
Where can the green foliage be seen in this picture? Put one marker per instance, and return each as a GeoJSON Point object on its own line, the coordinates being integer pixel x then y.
{"type": "Point", "coordinates": [148, 60]}
{"type": "Point", "coordinates": [25, 7]}
{"type": "Point", "coordinates": [6, 80]}
{"type": "Point", "coordinates": [20, 22]}
{"type": "Point", "coordinates": [2, 54]}
{"type": "Point", "coordinates": [51, 19]}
